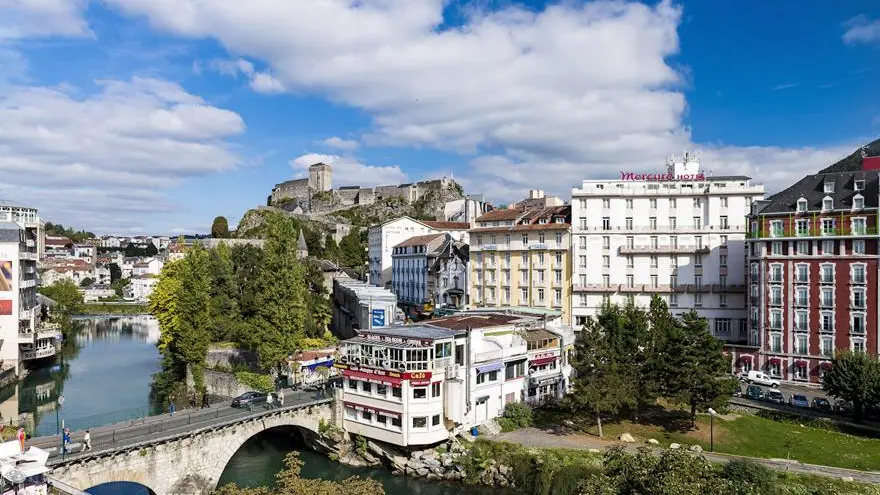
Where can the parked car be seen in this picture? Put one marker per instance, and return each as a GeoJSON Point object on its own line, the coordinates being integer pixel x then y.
{"type": "Point", "coordinates": [761, 378]}
{"type": "Point", "coordinates": [775, 396]}
{"type": "Point", "coordinates": [249, 398]}
{"type": "Point", "coordinates": [821, 404]}
{"type": "Point", "coordinates": [798, 400]}
{"type": "Point", "coordinates": [842, 407]}
{"type": "Point", "coordinates": [754, 392]}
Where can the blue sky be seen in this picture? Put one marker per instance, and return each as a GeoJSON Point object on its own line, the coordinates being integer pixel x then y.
{"type": "Point", "coordinates": [127, 116]}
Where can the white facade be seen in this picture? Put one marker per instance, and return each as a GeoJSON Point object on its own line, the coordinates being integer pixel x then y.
{"type": "Point", "coordinates": [465, 209]}
{"type": "Point", "coordinates": [140, 288]}
{"type": "Point", "coordinates": [97, 292]}
{"type": "Point", "coordinates": [86, 252]}
{"type": "Point", "coordinates": [679, 234]}
{"type": "Point", "coordinates": [149, 266]}
{"type": "Point", "coordinates": [422, 384]}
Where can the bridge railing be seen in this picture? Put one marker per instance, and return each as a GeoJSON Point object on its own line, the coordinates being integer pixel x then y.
{"type": "Point", "coordinates": [113, 437]}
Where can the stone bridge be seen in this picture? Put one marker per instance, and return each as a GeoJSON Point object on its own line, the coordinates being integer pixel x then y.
{"type": "Point", "coordinates": [184, 461]}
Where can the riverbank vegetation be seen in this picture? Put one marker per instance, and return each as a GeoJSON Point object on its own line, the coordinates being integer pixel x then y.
{"type": "Point", "coordinates": [112, 308]}
{"type": "Point", "coordinates": [263, 299]}
{"type": "Point", "coordinates": [289, 482]}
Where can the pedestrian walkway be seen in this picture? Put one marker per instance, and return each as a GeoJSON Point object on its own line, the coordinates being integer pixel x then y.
{"type": "Point", "coordinates": [539, 438]}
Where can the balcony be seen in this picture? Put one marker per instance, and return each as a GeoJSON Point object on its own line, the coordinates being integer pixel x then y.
{"type": "Point", "coordinates": [27, 284]}
{"type": "Point", "coordinates": [594, 288]}
{"type": "Point", "coordinates": [729, 289]}
{"type": "Point", "coordinates": [28, 256]}
{"type": "Point", "coordinates": [27, 314]}
{"type": "Point", "coordinates": [813, 231]}
{"type": "Point", "coordinates": [633, 288]}
{"type": "Point", "coordinates": [663, 250]}
{"type": "Point", "coordinates": [699, 289]}
{"type": "Point", "coordinates": [39, 353]}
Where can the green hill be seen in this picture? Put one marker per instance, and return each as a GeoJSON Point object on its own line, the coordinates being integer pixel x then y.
{"type": "Point", "coordinates": [854, 161]}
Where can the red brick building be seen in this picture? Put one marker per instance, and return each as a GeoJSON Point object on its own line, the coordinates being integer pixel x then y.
{"type": "Point", "coordinates": [812, 261]}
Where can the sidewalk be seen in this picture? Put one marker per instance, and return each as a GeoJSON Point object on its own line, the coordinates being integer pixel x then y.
{"type": "Point", "coordinates": [539, 438]}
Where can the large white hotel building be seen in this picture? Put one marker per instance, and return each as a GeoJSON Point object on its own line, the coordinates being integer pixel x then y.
{"type": "Point", "coordinates": [678, 233]}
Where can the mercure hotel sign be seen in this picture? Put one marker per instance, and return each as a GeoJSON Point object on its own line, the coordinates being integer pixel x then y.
{"type": "Point", "coordinates": [637, 177]}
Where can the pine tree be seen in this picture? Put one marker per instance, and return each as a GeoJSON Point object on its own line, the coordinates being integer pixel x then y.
{"type": "Point", "coordinates": [225, 317]}
{"type": "Point", "coordinates": [220, 228]}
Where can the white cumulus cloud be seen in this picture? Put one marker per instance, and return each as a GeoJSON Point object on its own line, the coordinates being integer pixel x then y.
{"type": "Point", "coordinates": [861, 29]}
{"type": "Point", "coordinates": [105, 158]}
{"type": "Point", "coordinates": [348, 171]}
{"type": "Point", "coordinates": [21, 19]}
{"type": "Point", "coordinates": [341, 144]}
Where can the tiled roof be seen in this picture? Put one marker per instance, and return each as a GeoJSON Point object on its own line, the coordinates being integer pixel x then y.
{"type": "Point", "coordinates": [812, 188]}
{"type": "Point", "coordinates": [462, 322]}
{"type": "Point", "coordinates": [526, 228]}
{"type": "Point", "coordinates": [413, 332]}
{"type": "Point", "coordinates": [419, 240]}
{"type": "Point", "coordinates": [502, 214]}
{"type": "Point", "coordinates": [447, 225]}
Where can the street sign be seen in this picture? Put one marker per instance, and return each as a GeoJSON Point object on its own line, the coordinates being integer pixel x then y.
{"type": "Point", "coordinates": [378, 317]}
{"type": "Point", "coordinates": [60, 400]}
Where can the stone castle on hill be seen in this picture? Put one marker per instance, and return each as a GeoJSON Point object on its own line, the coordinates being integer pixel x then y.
{"type": "Point", "coordinates": [300, 195]}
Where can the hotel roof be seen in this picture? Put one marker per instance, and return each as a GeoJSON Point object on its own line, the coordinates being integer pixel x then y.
{"type": "Point", "coordinates": [413, 332]}
{"type": "Point", "coordinates": [464, 321]}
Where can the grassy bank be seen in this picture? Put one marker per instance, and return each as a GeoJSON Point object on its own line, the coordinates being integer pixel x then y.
{"type": "Point", "coordinates": [561, 471]}
{"type": "Point", "coordinates": [113, 308]}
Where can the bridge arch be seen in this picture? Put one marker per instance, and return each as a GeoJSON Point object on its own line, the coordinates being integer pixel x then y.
{"type": "Point", "coordinates": [120, 488]}
{"type": "Point", "coordinates": [190, 463]}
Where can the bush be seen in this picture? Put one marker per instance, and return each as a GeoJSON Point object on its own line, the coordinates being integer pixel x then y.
{"type": "Point", "coordinates": [516, 415]}
{"type": "Point", "coordinates": [256, 381]}
{"type": "Point", "coordinates": [750, 473]}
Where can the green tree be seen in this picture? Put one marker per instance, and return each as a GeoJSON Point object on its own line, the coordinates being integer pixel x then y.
{"type": "Point", "coordinates": [351, 250]}
{"type": "Point", "coordinates": [600, 385]}
{"type": "Point", "coordinates": [854, 376]}
{"type": "Point", "coordinates": [220, 228]}
{"type": "Point", "coordinates": [282, 297]}
{"type": "Point", "coordinates": [151, 250]}
{"type": "Point", "coordinates": [289, 482]}
{"type": "Point", "coordinates": [225, 317]}
{"type": "Point", "coordinates": [698, 370]}
{"type": "Point", "coordinates": [163, 304]}
{"type": "Point", "coordinates": [132, 251]}
{"type": "Point", "coordinates": [247, 263]}
{"type": "Point", "coordinates": [194, 312]}
{"type": "Point", "coordinates": [119, 286]}
{"type": "Point", "coordinates": [86, 282]}
{"type": "Point", "coordinates": [331, 249]}
{"type": "Point", "coordinates": [67, 297]}
{"type": "Point", "coordinates": [115, 273]}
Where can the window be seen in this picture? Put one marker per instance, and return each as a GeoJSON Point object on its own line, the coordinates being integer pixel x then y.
{"type": "Point", "coordinates": [652, 223]}
{"type": "Point", "coordinates": [352, 384]}
{"type": "Point", "coordinates": [776, 273]}
{"type": "Point", "coordinates": [723, 240]}
{"type": "Point", "coordinates": [525, 240]}
{"type": "Point", "coordinates": [800, 296]}
{"type": "Point", "coordinates": [606, 223]}
{"type": "Point", "coordinates": [803, 248]}
{"type": "Point", "coordinates": [582, 261]}
{"type": "Point", "coordinates": [606, 261]}
{"type": "Point", "coordinates": [859, 185]}
{"type": "Point", "coordinates": [673, 300]}
{"type": "Point", "coordinates": [698, 222]}
{"type": "Point", "coordinates": [629, 204]}
{"type": "Point", "coordinates": [858, 226]}
{"type": "Point", "coordinates": [698, 203]}
{"type": "Point", "coordinates": [672, 203]}
{"type": "Point", "coordinates": [698, 300]}
{"type": "Point", "coordinates": [698, 241]}
{"type": "Point", "coordinates": [724, 224]}
{"type": "Point", "coordinates": [557, 297]}
{"type": "Point", "coordinates": [629, 223]}
{"type": "Point", "coordinates": [776, 248]}
{"type": "Point", "coordinates": [775, 342]}
{"type": "Point", "coordinates": [524, 295]}
{"type": "Point", "coordinates": [435, 389]}
{"type": "Point", "coordinates": [673, 223]}
{"type": "Point", "coordinates": [827, 324]}
{"type": "Point", "coordinates": [802, 227]}
{"type": "Point", "coordinates": [652, 202]}
{"type": "Point", "coordinates": [367, 415]}
{"type": "Point", "coordinates": [420, 422]}
{"type": "Point", "coordinates": [776, 228]}
{"type": "Point", "coordinates": [826, 274]}
{"type": "Point", "coordinates": [724, 202]}
{"type": "Point", "coordinates": [776, 319]}
{"type": "Point", "coordinates": [673, 280]}
{"type": "Point", "coordinates": [857, 323]}
{"type": "Point", "coordinates": [698, 281]}
{"type": "Point", "coordinates": [420, 393]}
{"type": "Point", "coordinates": [606, 280]}
{"type": "Point", "coordinates": [827, 299]}
{"type": "Point", "coordinates": [397, 392]}
{"type": "Point", "coordinates": [540, 295]}
{"type": "Point", "coordinates": [858, 298]}
{"type": "Point", "coordinates": [630, 262]}
{"type": "Point", "coordinates": [653, 261]}
{"type": "Point", "coordinates": [435, 420]}
{"type": "Point", "coordinates": [802, 205]}
{"type": "Point", "coordinates": [802, 273]}
{"type": "Point", "coordinates": [630, 241]}
{"type": "Point", "coordinates": [722, 280]}
{"type": "Point", "coordinates": [606, 242]}
{"type": "Point", "coordinates": [827, 247]}
{"type": "Point", "coordinates": [829, 187]}
{"type": "Point", "coordinates": [382, 389]}
{"type": "Point", "coordinates": [827, 346]}
{"type": "Point", "coordinates": [800, 345]}
{"type": "Point", "coordinates": [606, 203]}
{"type": "Point", "coordinates": [776, 296]}
{"type": "Point", "coordinates": [722, 300]}
{"type": "Point", "coordinates": [858, 247]}
{"type": "Point", "coordinates": [558, 238]}
{"type": "Point", "coordinates": [367, 387]}
{"type": "Point", "coordinates": [629, 281]}
{"type": "Point", "coordinates": [858, 202]}
{"type": "Point", "coordinates": [654, 243]}
{"type": "Point", "coordinates": [827, 204]}
{"type": "Point", "coordinates": [654, 281]}
{"type": "Point", "coordinates": [800, 321]}
{"type": "Point", "coordinates": [857, 273]}
{"type": "Point", "coordinates": [541, 238]}
{"type": "Point", "coordinates": [858, 345]}
{"type": "Point", "coordinates": [722, 327]}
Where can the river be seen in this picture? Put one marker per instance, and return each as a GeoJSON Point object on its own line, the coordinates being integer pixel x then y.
{"type": "Point", "coordinates": [104, 375]}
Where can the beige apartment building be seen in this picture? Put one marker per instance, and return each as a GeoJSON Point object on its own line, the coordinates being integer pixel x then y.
{"type": "Point", "coordinates": [520, 257]}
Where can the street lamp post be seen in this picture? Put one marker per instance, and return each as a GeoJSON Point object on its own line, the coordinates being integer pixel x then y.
{"type": "Point", "coordinates": [58, 423]}
{"type": "Point", "coordinates": [712, 415]}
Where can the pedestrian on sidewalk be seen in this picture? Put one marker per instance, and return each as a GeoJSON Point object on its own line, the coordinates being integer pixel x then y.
{"type": "Point", "coordinates": [87, 441]}
{"type": "Point", "coordinates": [281, 398]}
{"type": "Point", "coordinates": [269, 400]}
{"type": "Point", "coordinates": [65, 441]}
{"type": "Point", "coordinates": [205, 400]}
{"type": "Point", "coordinates": [192, 399]}
{"type": "Point", "coordinates": [171, 407]}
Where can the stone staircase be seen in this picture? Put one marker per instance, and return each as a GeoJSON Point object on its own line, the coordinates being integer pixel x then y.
{"type": "Point", "coordinates": [490, 428]}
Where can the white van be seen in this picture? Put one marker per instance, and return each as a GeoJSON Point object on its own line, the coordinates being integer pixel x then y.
{"type": "Point", "coordinates": [760, 378]}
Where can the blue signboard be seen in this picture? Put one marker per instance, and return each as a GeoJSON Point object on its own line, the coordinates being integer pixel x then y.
{"type": "Point", "coordinates": [378, 317]}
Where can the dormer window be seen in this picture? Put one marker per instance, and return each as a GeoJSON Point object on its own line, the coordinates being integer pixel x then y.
{"type": "Point", "coordinates": [859, 185]}
{"type": "Point", "coordinates": [858, 202]}
{"type": "Point", "coordinates": [560, 220]}
{"type": "Point", "coordinates": [827, 204]}
{"type": "Point", "coordinates": [829, 187]}
{"type": "Point", "coordinates": [802, 205]}
{"type": "Point", "coordinates": [542, 221]}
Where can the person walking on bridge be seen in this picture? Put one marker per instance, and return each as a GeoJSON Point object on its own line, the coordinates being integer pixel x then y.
{"type": "Point", "coordinates": [87, 441]}
{"type": "Point", "coordinates": [280, 397]}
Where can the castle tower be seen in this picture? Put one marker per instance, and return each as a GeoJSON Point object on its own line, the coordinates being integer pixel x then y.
{"type": "Point", "coordinates": [302, 249]}
{"type": "Point", "coordinates": [320, 177]}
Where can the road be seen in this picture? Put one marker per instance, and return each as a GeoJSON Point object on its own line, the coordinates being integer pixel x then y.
{"type": "Point", "coordinates": [115, 436]}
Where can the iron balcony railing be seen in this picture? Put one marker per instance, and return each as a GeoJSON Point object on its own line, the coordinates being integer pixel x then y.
{"type": "Point", "coordinates": [812, 231]}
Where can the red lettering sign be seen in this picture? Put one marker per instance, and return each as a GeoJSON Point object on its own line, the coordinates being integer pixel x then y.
{"type": "Point", "coordinates": [634, 177]}
{"type": "Point", "coordinates": [412, 375]}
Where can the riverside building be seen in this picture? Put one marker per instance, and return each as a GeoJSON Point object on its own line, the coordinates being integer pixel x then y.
{"type": "Point", "coordinates": [812, 278]}
{"type": "Point", "coordinates": [422, 384]}
{"type": "Point", "coordinates": [678, 233]}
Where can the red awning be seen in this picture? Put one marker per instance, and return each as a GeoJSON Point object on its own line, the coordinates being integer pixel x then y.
{"type": "Point", "coordinates": [774, 360]}
{"type": "Point", "coordinates": [746, 357]}
{"type": "Point", "coordinates": [382, 380]}
{"type": "Point", "coordinates": [542, 361]}
{"type": "Point", "coordinates": [801, 362]}
{"type": "Point", "coordinates": [360, 407]}
{"type": "Point", "coordinates": [826, 365]}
